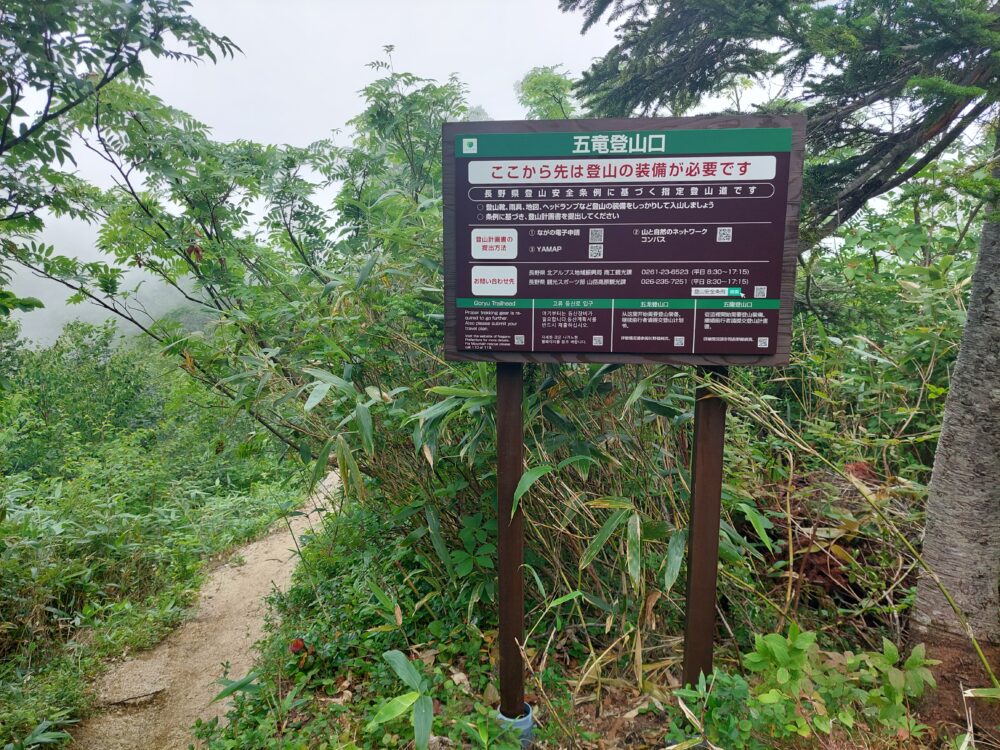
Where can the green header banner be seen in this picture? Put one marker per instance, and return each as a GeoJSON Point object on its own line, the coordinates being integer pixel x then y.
{"type": "Point", "coordinates": [699, 303]}
{"type": "Point", "coordinates": [573, 304]}
{"type": "Point", "coordinates": [739, 304]}
{"type": "Point", "coordinates": [654, 304]}
{"type": "Point", "coordinates": [625, 143]}
{"type": "Point", "coordinates": [494, 303]}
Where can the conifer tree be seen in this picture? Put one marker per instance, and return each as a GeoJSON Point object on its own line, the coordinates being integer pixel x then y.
{"type": "Point", "coordinates": [887, 86]}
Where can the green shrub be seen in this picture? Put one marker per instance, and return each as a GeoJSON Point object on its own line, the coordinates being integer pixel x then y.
{"type": "Point", "coordinates": [125, 484]}
{"type": "Point", "coordinates": [798, 690]}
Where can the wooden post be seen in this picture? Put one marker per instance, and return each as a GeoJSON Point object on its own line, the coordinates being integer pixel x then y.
{"type": "Point", "coordinates": [703, 534]}
{"type": "Point", "coordinates": [510, 532]}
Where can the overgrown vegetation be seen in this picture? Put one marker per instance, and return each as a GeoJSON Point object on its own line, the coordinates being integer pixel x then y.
{"type": "Point", "coordinates": [108, 513]}
{"type": "Point", "coordinates": [346, 368]}
{"type": "Point", "coordinates": [325, 332]}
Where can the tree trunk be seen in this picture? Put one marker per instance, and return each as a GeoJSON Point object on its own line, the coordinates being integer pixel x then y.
{"type": "Point", "coordinates": [962, 534]}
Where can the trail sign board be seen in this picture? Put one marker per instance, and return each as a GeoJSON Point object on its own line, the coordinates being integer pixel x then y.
{"type": "Point", "coordinates": [635, 240]}
{"type": "Point", "coordinates": [638, 240]}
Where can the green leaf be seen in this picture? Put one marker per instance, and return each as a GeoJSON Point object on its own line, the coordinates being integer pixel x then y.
{"type": "Point", "coordinates": [597, 543]}
{"type": "Point", "coordinates": [897, 679]}
{"type": "Point", "coordinates": [243, 685]}
{"type": "Point", "coordinates": [366, 270]}
{"type": "Point", "coordinates": [675, 555]}
{"type": "Point", "coordinates": [383, 598]}
{"type": "Point", "coordinates": [527, 479]}
{"type": "Point", "coordinates": [437, 540]}
{"type": "Point", "coordinates": [319, 392]}
{"type": "Point", "coordinates": [633, 549]}
{"type": "Point", "coordinates": [611, 502]}
{"type": "Point", "coordinates": [637, 392]}
{"type": "Point", "coordinates": [404, 669]}
{"type": "Point", "coordinates": [916, 657]}
{"type": "Point", "coordinates": [446, 390]}
{"type": "Point", "coordinates": [320, 466]}
{"type": "Point", "coordinates": [575, 460]}
{"type": "Point", "coordinates": [465, 565]}
{"type": "Point", "coordinates": [349, 471]}
{"type": "Point", "coordinates": [42, 734]}
{"type": "Point", "coordinates": [393, 709]}
{"type": "Point", "coordinates": [423, 717]}
{"type": "Point", "coordinates": [890, 651]}
{"type": "Point", "coordinates": [823, 723]}
{"type": "Point", "coordinates": [923, 673]}
{"type": "Point", "coordinates": [759, 523]}
{"type": "Point", "coordinates": [364, 419]}
{"type": "Point", "coordinates": [329, 377]}
{"type": "Point", "coordinates": [771, 696]}
{"type": "Point", "coordinates": [778, 646]}
{"type": "Point", "coordinates": [563, 599]}
{"type": "Point", "coordinates": [25, 304]}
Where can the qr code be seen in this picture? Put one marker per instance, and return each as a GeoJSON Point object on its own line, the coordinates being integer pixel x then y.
{"type": "Point", "coordinates": [724, 234]}
{"type": "Point", "coordinates": [519, 340]}
{"type": "Point", "coordinates": [760, 292]}
{"type": "Point", "coordinates": [762, 342]}
{"type": "Point", "coordinates": [598, 341]}
{"type": "Point", "coordinates": [678, 341]}
{"type": "Point", "coordinates": [597, 235]}
{"type": "Point", "coordinates": [596, 251]}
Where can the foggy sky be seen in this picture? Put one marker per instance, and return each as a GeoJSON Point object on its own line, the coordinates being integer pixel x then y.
{"type": "Point", "coordinates": [303, 64]}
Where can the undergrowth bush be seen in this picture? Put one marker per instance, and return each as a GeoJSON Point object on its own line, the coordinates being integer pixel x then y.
{"type": "Point", "coordinates": [796, 690]}
{"type": "Point", "coordinates": [326, 329]}
{"type": "Point", "coordinates": [366, 634]}
{"type": "Point", "coordinates": [327, 332]}
{"type": "Point", "coordinates": [323, 678]}
{"type": "Point", "coordinates": [117, 483]}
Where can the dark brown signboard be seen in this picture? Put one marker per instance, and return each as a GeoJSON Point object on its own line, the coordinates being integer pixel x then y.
{"type": "Point", "coordinates": [632, 240]}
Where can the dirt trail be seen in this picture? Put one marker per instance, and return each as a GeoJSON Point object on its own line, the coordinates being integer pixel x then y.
{"type": "Point", "coordinates": [151, 701]}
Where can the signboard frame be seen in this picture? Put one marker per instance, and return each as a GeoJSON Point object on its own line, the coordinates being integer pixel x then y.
{"type": "Point", "coordinates": [451, 131]}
